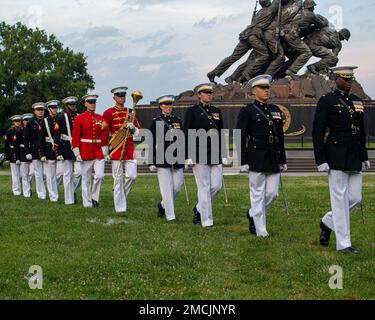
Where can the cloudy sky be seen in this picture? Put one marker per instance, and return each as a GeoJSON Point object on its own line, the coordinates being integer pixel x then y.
{"type": "Point", "coordinates": [168, 46]}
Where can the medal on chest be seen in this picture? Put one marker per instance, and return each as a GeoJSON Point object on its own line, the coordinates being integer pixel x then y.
{"type": "Point", "coordinates": [276, 115]}
{"type": "Point", "coordinates": [358, 106]}
{"type": "Point", "coordinates": [216, 116]}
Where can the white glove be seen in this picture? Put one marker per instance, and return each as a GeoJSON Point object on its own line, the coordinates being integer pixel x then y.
{"type": "Point", "coordinates": [324, 167]}
{"type": "Point", "coordinates": [18, 162]}
{"type": "Point", "coordinates": [77, 154]}
{"type": "Point", "coordinates": [105, 153]}
{"type": "Point", "coordinates": [43, 159]}
{"type": "Point", "coordinates": [188, 163]}
{"type": "Point", "coordinates": [225, 161]}
{"type": "Point", "coordinates": [283, 168]}
{"type": "Point", "coordinates": [366, 165]}
{"type": "Point", "coordinates": [245, 168]}
{"type": "Point", "coordinates": [60, 158]}
{"type": "Point", "coordinates": [131, 127]}
{"type": "Point", "coordinates": [152, 168]}
{"type": "Point", "coordinates": [29, 157]}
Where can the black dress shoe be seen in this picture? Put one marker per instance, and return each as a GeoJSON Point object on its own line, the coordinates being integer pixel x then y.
{"type": "Point", "coordinates": [75, 198]}
{"type": "Point", "coordinates": [325, 234]}
{"type": "Point", "coordinates": [252, 228]}
{"type": "Point", "coordinates": [95, 203]}
{"type": "Point", "coordinates": [350, 250]}
{"type": "Point", "coordinates": [197, 216]}
{"type": "Point", "coordinates": [161, 211]}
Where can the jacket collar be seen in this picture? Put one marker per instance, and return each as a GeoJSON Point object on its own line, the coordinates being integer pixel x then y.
{"type": "Point", "coordinates": [204, 105]}
{"type": "Point", "coordinates": [342, 93]}
{"type": "Point", "coordinates": [260, 104]}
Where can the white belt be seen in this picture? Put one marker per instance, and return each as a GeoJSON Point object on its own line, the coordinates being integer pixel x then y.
{"type": "Point", "coordinates": [22, 145]}
{"type": "Point", "coordinates": [66, 138]}
{"type": "Point", "coordinates": [91, 141]}
{"type": "Point", "coordinates": [11, 147]}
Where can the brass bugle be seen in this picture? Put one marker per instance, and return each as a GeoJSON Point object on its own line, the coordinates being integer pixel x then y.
{"type": "Point", "coordinates": [137, 96]}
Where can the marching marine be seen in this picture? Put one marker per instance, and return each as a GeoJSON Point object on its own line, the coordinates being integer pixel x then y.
{"type": "Point", "coordinates": [49, 145]}
{"type": "Point", "coordinates": [340, 149]}
{"type": "Point", "coordinates": [169, 167]}
{"type": "Point", "coordinates": [71, 167]}
{"type": "Point", "coordinates": [87, 143]}
{"type": "Point", "coordinates": [32, 140]}
{"type": "Point", "coordinates": [12, 153]}
{"type": "Point", "coordinates": [206, 156]}
{"type": "Point", "coordinates": [262, 152]}
{"type": "Point", "coordinates": [116, 119]}
{"type": "Point", "coordinates": [26, 166]}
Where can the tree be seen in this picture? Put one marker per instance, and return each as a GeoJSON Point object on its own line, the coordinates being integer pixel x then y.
{"type": "Point", "coordinates": [36, 67]}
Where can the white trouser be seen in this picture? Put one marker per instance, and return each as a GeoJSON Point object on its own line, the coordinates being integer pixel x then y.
{"type": "Point", "coordinates": [77, 175]}
{"type": "Point", "coordinates": [88, 193]}
{"type": "Point", "coordinates": [50, 169]}
{"type": "Point", "coordinates": [31, 175]}
{"type": "Point", "coordinates": [121, 191]}
{"type": "Point", "coordinates": [209, 180]}
{"type": "Point", "coordinates": [170, 183]}
{"type": "Point", "coordinates": [264, 188]}
{"type": "Point", "coordinates": [39, 179]}
{"type": "Point", "coordinates": [60, 171]}
{"type": "Point", "coordinates": [16, 179]}
{"type": "Point", "coordinates": [26, 179]}
{"type": "Point", "coordinates": [71, 179]}
{"type": "Point", "coordinates": [345, 192]}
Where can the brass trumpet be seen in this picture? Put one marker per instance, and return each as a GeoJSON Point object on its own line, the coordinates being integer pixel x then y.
{"type": "Point", "coordinates": [119, 139]}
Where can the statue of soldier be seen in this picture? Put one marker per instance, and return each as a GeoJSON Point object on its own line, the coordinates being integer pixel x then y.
{"type": "Point", "coordinates": [325, 44]}
{"type": "Point", "coordinates": [302, 22]}
{"type": "Point", "coordinates": [250, 38]}
{"type": "Point", "coordinates": [260, 55]}
{"type": "Point", "coordinates": [288, 10]}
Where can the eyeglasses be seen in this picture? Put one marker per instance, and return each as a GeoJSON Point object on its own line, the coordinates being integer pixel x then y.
{"type": "Point", "coordinates": [264, 87]}
{"type": "Point", "coordinates": [91, 101]}
{"type": "Point", "coordinates": [167, 104]}
{"type": "Point", "coordinates": [120, 95]}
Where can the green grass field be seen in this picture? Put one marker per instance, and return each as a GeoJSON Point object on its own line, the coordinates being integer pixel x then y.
{"type": "Point", "coordinates": [142, 257]}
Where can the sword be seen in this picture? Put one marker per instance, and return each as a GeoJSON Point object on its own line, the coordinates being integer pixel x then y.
{"type": "Point", "coordinates": [284, 196]}
{"type": "Point", "coordinates": [362, 213]}
{"type": "Point", "coordinates": [225, 192]}
{"type": "Point", "coordinates": [186, 193]}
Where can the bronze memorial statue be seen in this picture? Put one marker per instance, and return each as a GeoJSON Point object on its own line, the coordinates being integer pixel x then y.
{"type": "Point", "coordinates": [282, 37]}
